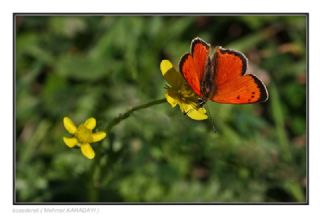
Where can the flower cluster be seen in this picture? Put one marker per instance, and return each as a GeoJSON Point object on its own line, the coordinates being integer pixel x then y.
{"type": "Point", "coordinates": [179, 92]}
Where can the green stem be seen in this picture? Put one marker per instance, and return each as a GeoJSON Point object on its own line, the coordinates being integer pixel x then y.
{"type": "Point", "coordinates": [127, 114]}
{"type": "Point", "coordinates": [94, 186]}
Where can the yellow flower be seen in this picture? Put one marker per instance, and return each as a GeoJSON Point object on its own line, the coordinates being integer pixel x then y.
{"type": "Point", "coordinates": [179, 92]}
{"type": "Point", "coordinates": [82, 136]}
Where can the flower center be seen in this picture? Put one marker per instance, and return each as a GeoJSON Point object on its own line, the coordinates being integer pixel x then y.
{"type": "Point", "coordinates": [84, 135]}
{"type": "Point", "coordinates": [186, 94]}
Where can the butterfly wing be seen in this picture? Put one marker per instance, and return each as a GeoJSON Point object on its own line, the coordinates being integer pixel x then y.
{"type": "Point", "coordinates": [192, 65]}
{"type": "Point", "coordinates": [232, 85]}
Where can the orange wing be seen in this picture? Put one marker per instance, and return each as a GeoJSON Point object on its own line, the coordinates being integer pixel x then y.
{"type": "Point", "coordinates": [232, 85]}
{"type": "Point", "coordinates": [192, 65]}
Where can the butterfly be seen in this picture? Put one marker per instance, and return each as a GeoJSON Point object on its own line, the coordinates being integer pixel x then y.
{"type": "Point", "coordinates": [221, 78]}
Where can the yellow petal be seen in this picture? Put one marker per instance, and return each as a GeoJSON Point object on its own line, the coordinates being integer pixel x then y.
{"type": "Point", "coordinates": [192, 112]}
{"type": "Point", "coordinates": [98, 136]}
{"type": "Point", "coordinates": [184, 107]}
{"type": "Point", "coordinates": [70, 142]}
{"type": "Point", "coordinates": [90, 123]}
{"type": "Point", "coordinates": [197, 114]}
{"type": "Point", "coordinates": [87, 150]}
{"type": "Point", "coordinates": [165, 66]}
{"type": "Point", "coordinates": [173, 77]}
{"type": "Point", "coordinates": [171, 99]}
{"type": "Point", "coordinates": [69, 125]}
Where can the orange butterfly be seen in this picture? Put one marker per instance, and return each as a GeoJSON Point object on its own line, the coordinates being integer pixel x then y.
{"type": "Point", "coordinates": [222, 77]}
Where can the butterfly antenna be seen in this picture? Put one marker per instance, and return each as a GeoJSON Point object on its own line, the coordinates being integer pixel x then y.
{"type": "Point", "coordinates": [211, 124]}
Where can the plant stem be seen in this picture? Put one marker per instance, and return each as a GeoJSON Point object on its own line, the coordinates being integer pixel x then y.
{"type": "Point", "coordinates": [127, 114]}
{"type": "Point", "coordinates": [94, 186]}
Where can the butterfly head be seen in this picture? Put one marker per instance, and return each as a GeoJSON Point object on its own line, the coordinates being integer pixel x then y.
{"type": "Point", "coordinates": [201, 102]}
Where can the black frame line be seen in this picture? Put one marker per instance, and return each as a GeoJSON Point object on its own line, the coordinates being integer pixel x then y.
{"type": "Point", "coordinates": [306, 14]}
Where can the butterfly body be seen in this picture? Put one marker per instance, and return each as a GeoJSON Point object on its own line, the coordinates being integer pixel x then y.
{"type": "Point", "coordinates": [207, 88]}
{"type": "Point", "coordinates": [221, 78]}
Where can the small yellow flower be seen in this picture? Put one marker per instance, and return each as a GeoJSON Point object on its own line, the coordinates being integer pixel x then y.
{"type": "Point", "coordinates": [82, 136]}
{"type": "Point", "coordinates": [179, 93]}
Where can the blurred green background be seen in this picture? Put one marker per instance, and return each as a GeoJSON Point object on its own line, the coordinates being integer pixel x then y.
{"type": "Point", "coordinates": [101, 66]}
